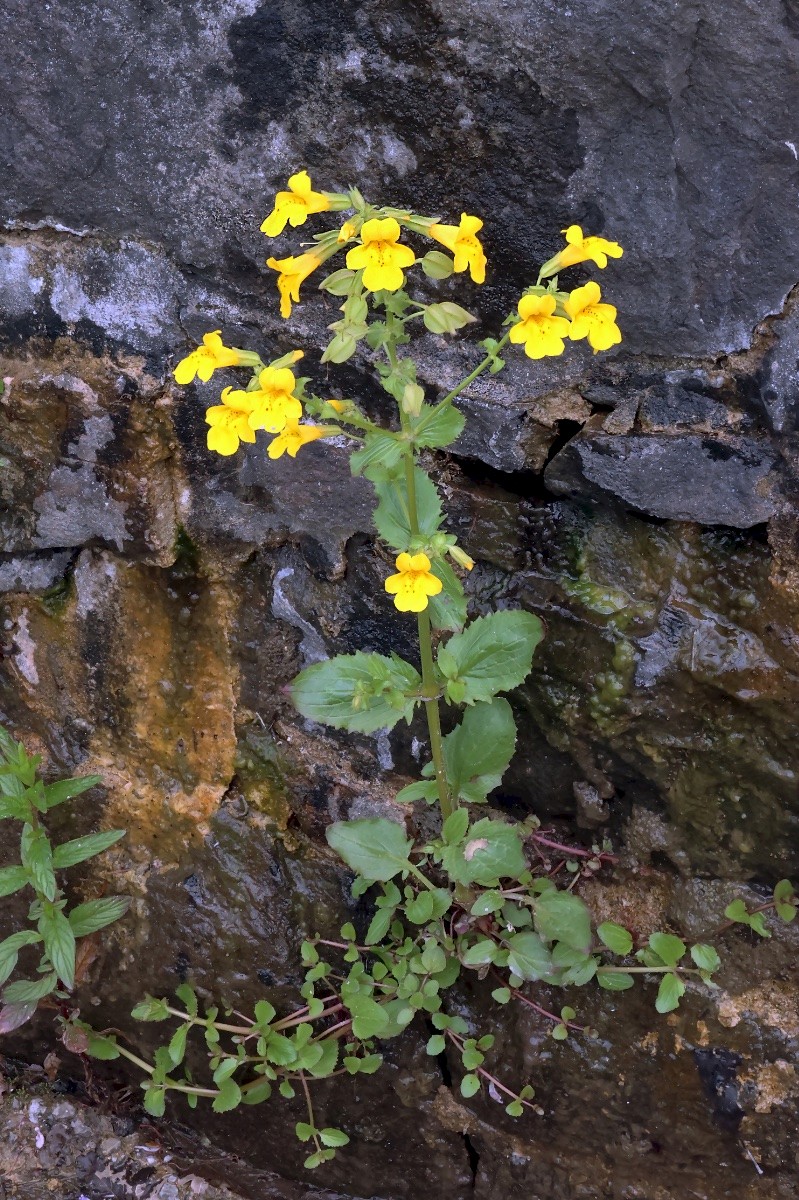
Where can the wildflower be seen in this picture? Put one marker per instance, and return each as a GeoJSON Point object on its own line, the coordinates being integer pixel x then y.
{"type": "Point", "coordinates": [291, 273]}
{"type": "Point", "coordinates": [591, 319]}
{"type": "Point", "coordinates": [292, 437]}
{"type": "Point", "coordinates": [294, 206]}
{"type": "Point", "coordinates": [229, 421]}
{"type": "Point", "coordinates": [209, 357]}
{"type": "Point", "coordinates": [414, 583]}
{"type": "Point", "coordinates": [347, 232]}
{"type": "Point", "coordinates": [274, 404]}
{"type": "Point", "coordinates": [541, 333]}
{"type": "Point", "coordinates": [381, 255]}
{"type": "Point", "coordinates": [464, 244]}
{"type": "Point", "coordinates": [580, 249]}
{"type": "Point", "coordinates": [461, 557]}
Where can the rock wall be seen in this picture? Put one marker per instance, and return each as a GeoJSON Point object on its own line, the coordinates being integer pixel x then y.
{"type": "Point", "coordinates": [156, 598]}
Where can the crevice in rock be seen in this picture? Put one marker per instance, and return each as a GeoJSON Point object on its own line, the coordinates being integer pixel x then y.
{"type": "Point", "coordinates": [474, 1157]}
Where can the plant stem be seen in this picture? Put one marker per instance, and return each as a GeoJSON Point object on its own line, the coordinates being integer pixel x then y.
{"type": "Point", "coordinates": [464, 383]}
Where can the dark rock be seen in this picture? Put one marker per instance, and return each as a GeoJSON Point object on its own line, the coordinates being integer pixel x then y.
{"type": "Point", "coordinates": [677, 478]}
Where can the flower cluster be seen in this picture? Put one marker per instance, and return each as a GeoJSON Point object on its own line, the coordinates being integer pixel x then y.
{"type": "Point", "coordinates": [376, 258]}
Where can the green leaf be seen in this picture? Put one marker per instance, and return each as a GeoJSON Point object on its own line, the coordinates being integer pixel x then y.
{"type": "Point", "coordinates": [614, 981]}
{"type": "Point", "coordinates": [340, 348]}
{"type": "Point", "coordinates": [154, 1100]}
{"type": "Point", "coordinates": [391, 515]}
{"type": "Point", "coordinates": [446, 317]}
{"type": "Point", "coordinates": [495, 653]}
{"type": "Point", "coordinates": [514, 1109]}
{"type": "Point", "coordinates": [96, 914]}
{"type": "Point", "coordinates": [326, 1064]}
{"type": "Point", "coordinates": [560, 1033]}
{"type": "Point", "coordinates": [469, 1085]}
{"type": "Point", "coordinates": [229, 1097]}
{"type": "Point", "coordinates": [786, 912]}
{"type": "Point", "coordinates": [737, 911]}
{"type": "Point", "coordinates": [455, 826]}
{"type": "Point", "coordinates": [151, 1009]}
{"type": "Point", "coordinates": [615, 937]}
{"type": "Point", "coordinates": [379, 926]}
{"type": "Point", "coordinates": [188, 997]}
{"type": "Point", "coordinates": [333, 1137]}
{"type": "Point", "coordinates": [360, 692]}
{"type": "Point", "coordinates": [12, 879]}
{"type": "Point", "coordinates": [79, 849]}
{"type": "Point", "coordinates": [491, 850]}
{"type": "Point", "coordinates": [368, 1017]}
{"type": "Point", "coordinates": [478, 751]}
{"type": "Point", "coordinates": [37, 856]}
{"type": "Point", "coordinates": [338, 283]}
{"type": "Point", "coordinates": [669, 948]}
{"type": "Point", "coordinates": [528, 957]}
{"type": "Point", "coordinates": [441, 426]}
{"type": "Point", "coordinates": [436, 1044]}
{"type": "Point", "coordinates": [758, 923]}
{"type": "Point", "coordinates": [59, 944]}
{"type": "Point", "coordinates": [488, 902]}
{"type": "Point", "coordinates": [705, 957]}
{"type": "Point", "coordinates": [501, 995]}
{"type": "Point", "coordinates": [27, 990]}
{"type": "Point", "coordinates": [177, 1044]}
{"type": "Point", "coordinates": [669, 993]}
{"type": "Point", "coordinates": [101, 1047]}
{"type": "Point", "coordinates": [257, 1094]}
{"type": "Point", "coordinates": [57, 793]}
{"type": "Point", "coordinates": [373, 847]}
{"type": "Point", "coordinates": [784, 891]}
{"type": "Point", "coordinates": [433, 957]}
{"type": "Point", "coordinates": [384, 449]}
{"type": "Point", "coordinates": [423, 790]}
{"type": "Point", "coordinates": [563, 917]}
{"type": "Point", "coordinates": [437, 265]}
{"type": "Point", "coordinates": [9, 950]}
{"type": "Point", "coordinates": [482, 952]}
{"type": "Point", "coordinates": [447, 609]}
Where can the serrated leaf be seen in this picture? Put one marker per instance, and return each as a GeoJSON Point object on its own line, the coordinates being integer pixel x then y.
{"type": "Point", "coordinates": [455, 826]}
{"type": "Point", "coordinates": [436, 427]}
{"type": "Point", "coordinates": [10, 948]}
{"type": "Point", "coordinates": [379, 926]}
{"type": "Point", "coordinates": [177, 1044]}
{"type": "Point", "coordinates": [360, 692]}
{"type": "Point", "coordinates": [447, 609]}
{"type": "Point", "coordinates": [326, 1063]}
{"type": "Point", "coordinates": [384, 449]}
{"type": "Point", "coordinates": [528, 957]}
{"type": "Point", "coordinates": [495, 653]}
{"type": "Point", "coordinates": [79, 849]}
{"type": "Point", "coordinates": [151, 1009]}
{"type": "Point", "coordinates": [705, 957]}
{"type": "Point", "coordinates": [37, 856]}
{"type": "Point", "coordinates": [373, 847]}
{"type": "Point", "coordinates": [188, 997]}
{"type": "Point", "coordinates": [154, 1101]}
{"type": "Point", "coordinates": [670, 949]}
{"type": "Point", "coordinates": [391, 515]}
{"type": "Point", "coordinates": [670, 991]}
{"type": "Point", "coordinates": [59, 944]}
{"type": "Point", "coordinates": [615, 937]}
{"type": "Point", "coordinates": [420, 909]}
{"type": "Point", "coordinates": [100, 1047]}
{"type": "Point", "coordinates": [65, 789]}
{"type": "Point", "coordinates": [229, 1097]}
{"type": "Point", "coordinates": [491, 851]}
{"type": "Point", "coordinates": [563, 917]}
{"type": "Point", "coordinates": [369, 1018]}
{"type": "Point", "coordinates": [333, 1137]}
{"type": "Point", "coordinates": [477, 752]}
{"type": "Point", "coordinates": [12, 879]}
{"type": "Point", "coordinates": [25, 991]}
{"type": "Point", "coordinates": [96, 914]}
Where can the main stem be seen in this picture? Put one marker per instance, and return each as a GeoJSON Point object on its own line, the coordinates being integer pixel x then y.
{"type": "Point", "coordinates": [448, 803]}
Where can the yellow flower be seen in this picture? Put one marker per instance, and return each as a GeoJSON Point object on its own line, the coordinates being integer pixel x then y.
{"type": "Point", "coordinates": [292, 438]}
{"type": "Point", "coordinates": [292, 271]}
{"type": "Point", "coordinates": [413, 584]}
{"type": "Point", "coordinates": [464, 244]}
{"type": "Point", "coordinates": [274, 404]}
{"type": "Point", "coordinates": [229, 421]}
{"type": "Point", "coordinates": [295, 205]}
{"type": "Point", "coordinates": [347, 232]}
{"type": "Point", "coordinates": [541, 333]}
{"type": "Point", "coordinates": [591, 319]}
{"type": "Point", "coordinates": [382, 257]}
{"type": "Point", "coordinates": [206, 359]}
{"type": "Point", "coordinates": [580, 249]}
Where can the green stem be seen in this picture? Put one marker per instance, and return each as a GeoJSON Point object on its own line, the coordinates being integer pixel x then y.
{"type": "Point", "coordinates": [464, 383]}
{"type": "Point", "coordinates": [646, 970]}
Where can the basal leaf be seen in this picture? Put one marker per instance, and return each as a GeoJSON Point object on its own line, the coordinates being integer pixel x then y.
{"type": "Point", "coordinates": [373, 847]}
{"type": "Point", "coordinates": [360, 692]}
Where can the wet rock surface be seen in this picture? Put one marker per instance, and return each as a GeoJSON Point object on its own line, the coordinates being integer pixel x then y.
{"type": "Point", "coordinates": [156, 601]}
